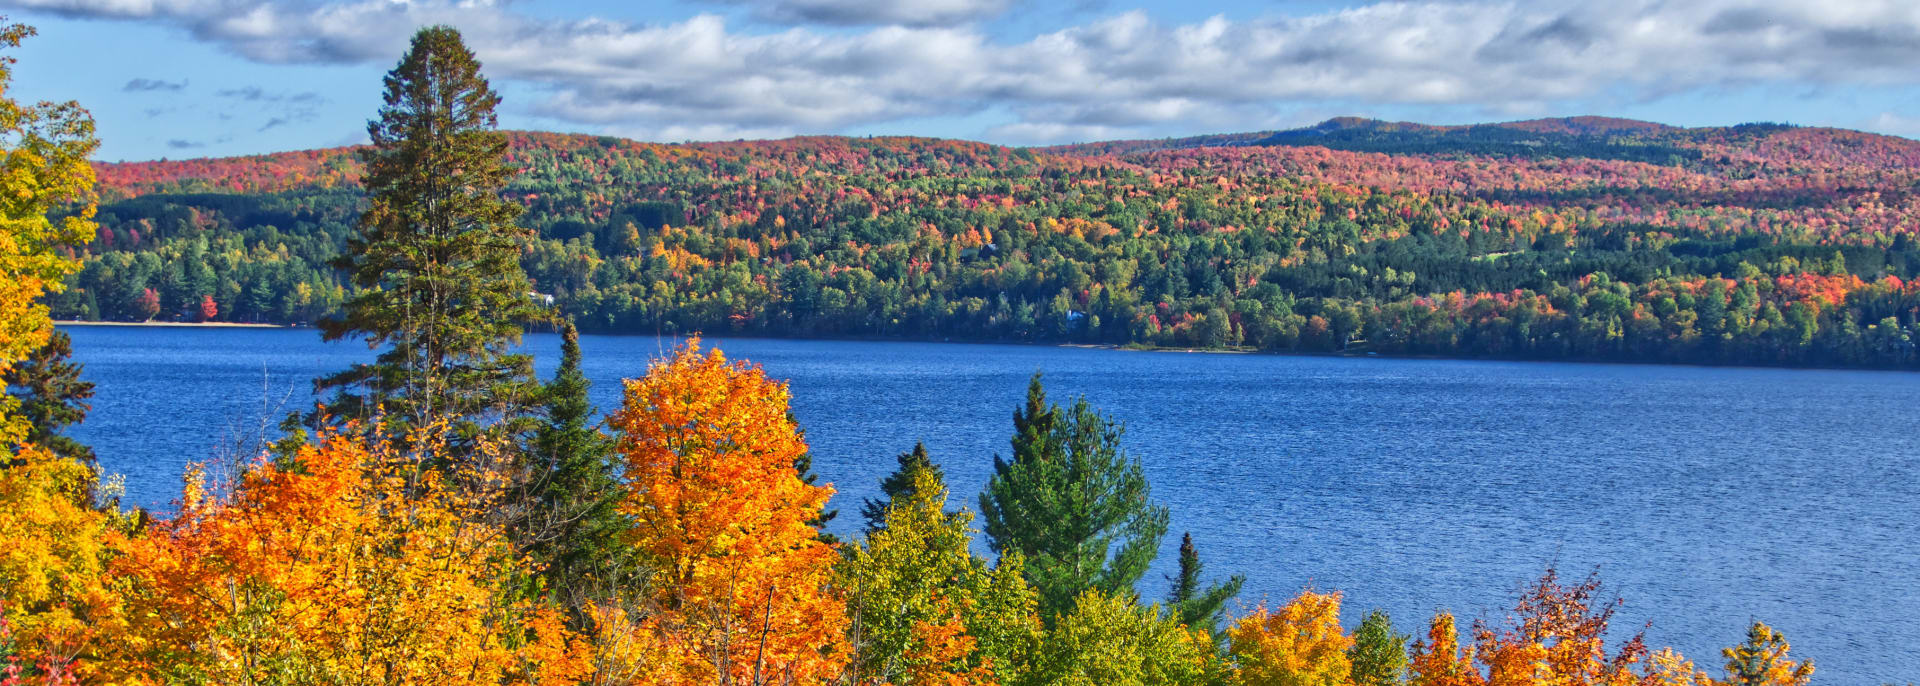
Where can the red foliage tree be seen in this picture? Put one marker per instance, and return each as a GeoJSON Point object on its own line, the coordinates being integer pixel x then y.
{"type": "Point", "coordinates": [148, 304]}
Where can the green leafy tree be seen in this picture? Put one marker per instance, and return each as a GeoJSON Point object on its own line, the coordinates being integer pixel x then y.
{"type": "Point", "coordinates": [52, 397]}
{"type": "Point", "coordinates": [1071, 503]}
{"type": "Point", "coordinates": [1196, 605]}
{"type": "Point", "coordinates": [1111, 641]}
{"type": "Point", "coordinates": [1378, 654]}
{"type": "Point", "coordinates": [899, 484]}
{"type": "Point", "coordinates": [917, 571]}
{"type": "Point", "coordinates": [437, 259]}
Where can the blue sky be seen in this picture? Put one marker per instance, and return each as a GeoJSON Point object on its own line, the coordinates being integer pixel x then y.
{"type": "Point", "coordinates": [195, 78]}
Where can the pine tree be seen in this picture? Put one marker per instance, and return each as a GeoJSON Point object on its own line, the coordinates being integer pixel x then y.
{"type": "Point", "coordinates": [1072, 503]}
{"type": "Point", "coordinates": [52, 397]}
{"type": "Point", "coordinates": [437, 261]}
{"type": "Point", "coordinates": [1196, 606]}
{"type": "Point", "coordinates": [898, 486]}
{"type": "Point", "coordinates": [577, 498]}
{"type": "Point", "coordinates": [1379, 655]}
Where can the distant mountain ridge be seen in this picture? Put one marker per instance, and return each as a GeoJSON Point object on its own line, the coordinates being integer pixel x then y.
{"type": "Point", "coordinates": [1550, 137]}
{"type": "Point", "coordinates": [1591, 137]}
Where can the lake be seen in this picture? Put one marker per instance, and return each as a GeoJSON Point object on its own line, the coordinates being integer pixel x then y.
{"type": "Point", "coordinates": [1705, 496]}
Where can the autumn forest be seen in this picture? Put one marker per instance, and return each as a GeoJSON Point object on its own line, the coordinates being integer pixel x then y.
{"type": "Point", "coordinates": [447, 516]}
{"type": "Point", "coordinates": [1581, 239]}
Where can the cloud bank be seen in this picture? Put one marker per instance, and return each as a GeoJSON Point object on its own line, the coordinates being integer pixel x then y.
{"type": "Point", "coordinates": [150, 85]}
{"type": "Point", "coordinates": [1120, 75]}
{"type": "Point", "coordinates": [920, 13]}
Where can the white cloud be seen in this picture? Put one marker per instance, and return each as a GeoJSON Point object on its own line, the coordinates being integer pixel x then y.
{"type": "Point", "coordinates": [1894, 124]}
{"type": "Point", "coordinates": [1125, 75]}
{"type": "Point", "coordinates": [922, 13]}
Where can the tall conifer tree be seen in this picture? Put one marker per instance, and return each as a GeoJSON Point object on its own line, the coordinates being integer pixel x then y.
{"type": "Point", "coordinates": [437, 260]}
{"type": "Point", "coordinates": [576, 501]}
{"type": "Point", "coordinates": [1072, 503]}
{"type": "Point", "coordinates": [52, 397]}
{"type": "Point", "coordinates": [899, 486]}
{"type": "Point", "coordinates": [1196, 605]}
{"type": "Point", "coordinates": [803, 465]}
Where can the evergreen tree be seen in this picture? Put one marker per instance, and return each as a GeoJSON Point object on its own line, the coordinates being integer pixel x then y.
{"type": "Point", "coordinates": [437, 258]}
{"type": "Point", "coordinates": [1197, 606]}
{"type": "Point", "coordinates": [52, 397]}
{"type": "Point", "coordinates": [1378, 654]}
{"type": "Point", "coordinates": [577, 499]}
{"type": "Point", "coordinates": [1072, 503]}
{"type": "Point", "coordinates": [898, 486]}
{"type": "Point", "coordinates": [803, 465]}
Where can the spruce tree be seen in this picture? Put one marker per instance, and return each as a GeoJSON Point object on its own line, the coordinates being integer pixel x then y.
{"type": "Point", "coordinates": [1379, 655]}
{"type": "Point", "coordinates": [1195, 605]}
{"type": "Point", "coordinates": [1072, 503]}
{"type": "Point", "coordinates": [52, 397]}
{"type": "Point", "coordinates": [898, 486]}
{"type": "Point", "coordinates": [437, 259]}
{"type": "Point", "coordinates": [577, 487]}
{"type": "Point", "coordinates": [803, 465]}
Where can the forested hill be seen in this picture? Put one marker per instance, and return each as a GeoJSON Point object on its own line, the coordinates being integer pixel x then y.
{"type": "Point", "coordinates": [1559, 239]}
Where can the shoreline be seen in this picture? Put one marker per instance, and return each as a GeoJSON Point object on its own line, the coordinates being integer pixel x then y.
{"type": "Point", "coordinates": [1351, 355]}
{"type": "Point", "coordinates": [205, 325]}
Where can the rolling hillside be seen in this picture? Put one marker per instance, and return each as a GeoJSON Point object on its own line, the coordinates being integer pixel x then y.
{"type": "Point", "coordinates": [1583, 238]}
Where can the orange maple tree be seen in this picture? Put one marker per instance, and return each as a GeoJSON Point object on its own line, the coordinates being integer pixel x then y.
{"type": "Point", "coordinates": [1299, 644]}
{"type": "Point", "coordinates": [1557, 635]}
{"type": "Point", "coordinates": [349, 563]}
{"type": "Point", "coordinates": [1437, 661]}
{"type": "Point", "coordinates": [742, 589]}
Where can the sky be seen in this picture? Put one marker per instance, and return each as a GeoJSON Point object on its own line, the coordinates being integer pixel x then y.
{"type": "Point", "coordinates": [199, 78]}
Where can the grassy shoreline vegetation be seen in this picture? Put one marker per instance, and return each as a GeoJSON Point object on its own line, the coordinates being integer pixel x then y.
{"type": "Point", "coordinates": [445, 517]}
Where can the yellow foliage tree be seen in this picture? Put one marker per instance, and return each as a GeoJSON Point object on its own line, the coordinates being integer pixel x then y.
{"type": "Point", "coordinates": [1668, 668]}
{"type": "Point", "coordinates": [1762, 661]}
{"type": "Point", "coordinates": [742, 592]}
{"type": "Point", "coordinates": [1300, 644]}
{"type": "Point", "coordinates": [348, 563]}
{"type": "Point", "coordinates": [57, 600]}
{"type": "Point", "coordinates": [56, 607]}
{"type": "Point", "coordinates": [927, 610]}
{"type": "Point", "coordinates": [43, 167]}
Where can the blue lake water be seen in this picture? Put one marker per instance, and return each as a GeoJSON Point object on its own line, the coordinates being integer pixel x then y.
{"type": "Point", "coordinates": [1705, 496]}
